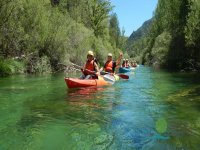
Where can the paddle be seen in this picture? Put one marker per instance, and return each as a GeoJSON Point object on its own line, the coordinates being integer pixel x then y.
{"type": "Point", "coordinates": [109, 78]}
{"type": "Point", "coordinates": [76, 65]}
{"type": "Point", "coordinates": [123, 76]}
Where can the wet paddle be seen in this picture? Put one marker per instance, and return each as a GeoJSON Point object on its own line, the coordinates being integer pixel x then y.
{"type": "Point", "coordinates": [109, 78]}
{"type": "Point", "coordinates": [123, 76]}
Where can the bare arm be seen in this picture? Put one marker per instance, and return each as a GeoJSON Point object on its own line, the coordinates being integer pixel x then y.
{"type": "Point", "coordinates": [84, 66]}
{"type": "Point", "coordinates": [96, 67]}
{"type": "Point", "coordinates": [119, 59]}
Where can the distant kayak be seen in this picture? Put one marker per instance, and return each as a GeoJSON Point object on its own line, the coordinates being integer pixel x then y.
{"type": "Point", "coordinates": [76, 82]}
{"type": "Point", "coordinates": [124, 69]}
{"type": "Point", "coordinates": [132, 68]}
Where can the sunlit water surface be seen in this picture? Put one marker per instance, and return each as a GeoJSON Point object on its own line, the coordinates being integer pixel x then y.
{"type": "Point", "coordinates": [152, 110]}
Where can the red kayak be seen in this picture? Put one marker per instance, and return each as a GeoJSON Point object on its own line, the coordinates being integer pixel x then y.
{"type": "Point", "coordinates": [76, 82]}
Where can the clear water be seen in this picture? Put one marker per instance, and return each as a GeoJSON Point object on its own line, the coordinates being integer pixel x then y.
{"type": "Point", "coordinates": [153, 110]}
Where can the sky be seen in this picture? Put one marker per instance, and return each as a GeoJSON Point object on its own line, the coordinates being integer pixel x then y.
{"type": "Point", "coordinates": [133, 13]}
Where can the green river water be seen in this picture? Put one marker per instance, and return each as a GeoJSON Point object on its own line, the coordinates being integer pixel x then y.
{"type": "Point", "coordinates": [150, 111]}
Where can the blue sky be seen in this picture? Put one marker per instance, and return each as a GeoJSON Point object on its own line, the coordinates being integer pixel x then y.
{"type": "Point", "coordinates": [132, 13]}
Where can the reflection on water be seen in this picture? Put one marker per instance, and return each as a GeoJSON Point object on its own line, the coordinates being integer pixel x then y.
{"type": "Point", "coordinates": [152, 110]}
{"type": "Point", "coordinates": [83, 93]}
{"type": "Point", "coordinates": [84, 97]}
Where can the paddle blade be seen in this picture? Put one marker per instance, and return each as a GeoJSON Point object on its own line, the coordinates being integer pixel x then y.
{"type": "Point", "coordinates": [109, 78]}
{"type": "Point", "coordinates": [123, 76]}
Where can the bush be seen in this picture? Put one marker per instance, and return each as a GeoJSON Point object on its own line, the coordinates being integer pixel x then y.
{"type": "Point", "coordinates": [10, 66]}
{"type": "Point", "coordinates": [4, 69]}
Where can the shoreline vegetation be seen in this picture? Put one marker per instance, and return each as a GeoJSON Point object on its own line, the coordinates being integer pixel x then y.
{"type": "Point", "coordinates": [171, 38]}
{"type": "Point", "coordinates": [38, 35]}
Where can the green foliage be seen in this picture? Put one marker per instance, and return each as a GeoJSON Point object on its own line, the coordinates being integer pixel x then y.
{"type": "Point", "coordinates": [172, 41]}
{"type": "Point", "coordinates": [192, 29]}
{"type": "Point", "coordinates": [47, 32]}
{"type": "Point", "coordinates": [114, 30]}
{"type": "Point", "coordinates": [161, 48]}
{"type": "Point", "coordinates": [97, 14]}
{"type": "Point", "coordinates": [10, 66]}
{"type": "Point", "coordinates": [122, 40]}
{"type": "Point", "coordinates": [4, 69]}
{"type": "Point", "coordinates": [126, 56]}
{"type": "Point", "coordinates": [42, 65]}
{"type": "Point", "coordinates": [193, 23]}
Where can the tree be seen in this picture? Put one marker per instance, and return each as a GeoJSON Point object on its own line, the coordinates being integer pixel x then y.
{"type": "Point", "coordinates": [6, 9]}
{"type": "Point", "coordinates": [98, 12]}
{"type": "Point", "coordinates": [122, 40]}
{"type": "Point", "coordinates": [169, 17]}
{"type": "Point", "coordinates": [114, 30]}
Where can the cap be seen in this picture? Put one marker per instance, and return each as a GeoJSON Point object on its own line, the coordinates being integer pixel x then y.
{"type": "Point", "coordinates": [90, 53]}
{"type": "Point", "coordinates": [109, 54]}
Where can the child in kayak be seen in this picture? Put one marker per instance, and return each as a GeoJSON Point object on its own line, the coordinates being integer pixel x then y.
{"type": "Point", "coordinates": [90, 69]}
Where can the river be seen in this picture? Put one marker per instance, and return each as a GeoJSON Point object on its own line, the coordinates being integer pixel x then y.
{"type": "Point", "coordinates": [152, 110]}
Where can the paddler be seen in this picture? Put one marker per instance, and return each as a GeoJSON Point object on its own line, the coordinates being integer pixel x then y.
{"type": "Point", "coordinates": [123, 63]}
{"type": "Point", "coordinates": [90, 69]}
{"type": "Point", "coordinates": [110, 65]}
{"type": "Point", "coordinates": [127, 63]}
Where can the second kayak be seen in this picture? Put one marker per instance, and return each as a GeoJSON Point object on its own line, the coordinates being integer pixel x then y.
{"type": "Point", "coordinates": [124, 69]}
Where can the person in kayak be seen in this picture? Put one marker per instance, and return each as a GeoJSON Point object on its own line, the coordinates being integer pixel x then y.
{"type": "Point", "coordinates": [127, 63]}
{"type": "Point", "coordinates": [110, 65]}
{"type": "Point", "coordinates": [90, 69]}
{"type": "Point", "coordinates": [123, 63]}
{"type": "Point", "coordinates": [134, 64]}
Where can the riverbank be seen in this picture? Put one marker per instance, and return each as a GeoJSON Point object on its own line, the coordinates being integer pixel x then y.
{"type": "Point", "coordinates": [43, 66]}
{"type": "Point", "coordinates": [16, 66]}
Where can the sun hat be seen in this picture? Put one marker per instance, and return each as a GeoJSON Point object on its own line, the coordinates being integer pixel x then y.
{"type": "Point", "coordinates": [109, 54]}
{"type": "Point", "coordinates": [90, 53]}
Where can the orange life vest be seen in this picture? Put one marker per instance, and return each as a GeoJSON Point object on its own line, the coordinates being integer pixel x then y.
{"type": "Point", "coordinates": [109, 66]}
{"type": "Point", "coordinates": [89, 66]}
